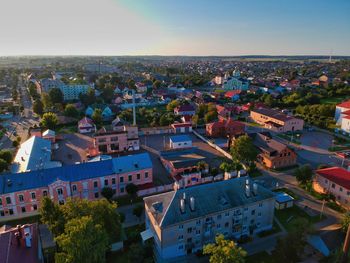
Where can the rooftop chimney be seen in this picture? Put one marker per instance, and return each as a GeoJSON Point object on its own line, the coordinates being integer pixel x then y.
{"type": "Point", "coordinates": [255, 188]}
{"type": "Point", "coordinates": [182, 205]}
{"type": "Point", "coordinates": [192, 203]}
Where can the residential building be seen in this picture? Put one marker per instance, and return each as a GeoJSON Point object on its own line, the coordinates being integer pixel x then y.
{"type": "Point", "coordinates": [342, 116]}
{"type": "Point", "coordinates": [181, 127]}
{"type": "Point", "coordinates": [283, 201]}
{"type": "Point", "coordinates": [185, 109]}
{"type": "Point", "coordinates": [72, 91]}
{"type": "Point", "coordinates": [183, 165]}
{"type": "Point", "coordinates": [273, 154]}
{"type": "Point", "coordinates": [276, 120]}
{"type": "Point", "coordinates": [107, 113]}
{"type": "Point", "coordinates": [21, 193]}
{"type": "Point", "coordinates": [182, 221]}
{"type": "Point", "coordinates": [108, 140]}
{"type": "Point", "coordinates": [86, 125]}
{"type": "Point", "coordinates": [335, 181]}
{"type": "Point", "coordinates": [225, 128]}
{"type": "Point", "coordinates": [236, 83]}
{"type": "Point", "coordinates": [219, 79]}
{"type": "Point", "coordinates": [180, 142]}
{"type": "Point", "coordinates": [33, 154]}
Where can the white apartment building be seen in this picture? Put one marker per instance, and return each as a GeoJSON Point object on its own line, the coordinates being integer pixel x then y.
{"type": "Point", "coordinates": [182, 221]}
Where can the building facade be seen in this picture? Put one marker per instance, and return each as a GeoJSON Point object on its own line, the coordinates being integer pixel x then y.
{"type": "Point", "coordinates": [336, 181]}
{"type": "Point", "coordinates": [21, 194]}
{"type": "Point", "coordinates": [276, 120]}
{"type": "Point", "coordinates": [182, 221]}
{"type": "Point", "coordinates": [225, 128]}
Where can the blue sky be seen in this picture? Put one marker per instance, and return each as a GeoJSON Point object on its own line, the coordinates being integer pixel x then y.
{"type": "Point", "coordinates": [167, 27]}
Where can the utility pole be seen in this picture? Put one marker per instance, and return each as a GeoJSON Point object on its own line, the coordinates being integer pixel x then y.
{"type": "Point", "coordinates": [346, 246]}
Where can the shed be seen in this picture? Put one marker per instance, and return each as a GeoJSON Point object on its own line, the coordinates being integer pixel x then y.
{"type": "Point", "coordinates": [283, 200]}
{"type": "Point", "coordinates": [180, 141]}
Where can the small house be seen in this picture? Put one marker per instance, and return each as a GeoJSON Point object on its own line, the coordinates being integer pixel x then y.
{"type": "Point", "coordinates": [180, 142]}
{"type": "Point", "coordinates": [86, 125]}
{"type": "Point", "coordinates": [283, 200]}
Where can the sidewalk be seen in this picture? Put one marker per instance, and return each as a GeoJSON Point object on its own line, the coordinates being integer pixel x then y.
{"type": "Point", "coordinates": [130, 218]}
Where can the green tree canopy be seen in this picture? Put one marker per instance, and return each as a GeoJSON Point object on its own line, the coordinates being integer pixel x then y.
{"type": "Point", "coordinates": [107, 193]}
{"type": "Point", "coordinates": [224, 251]}
{"type": "Point", "coordinates": [303, 174]}
{"type": "Point", "coordinates": [97, 116]}
{"type": "Point", "coordinates": [138, 210]}
{"type": "Point", "coordinates": [3, 165]}
{"type": "Point", "coordinates": [56, 95]}
{"type": "Point", "coordinates": [71, 111]}
{"type": "Point", "coordinates": [49, 120]}
{"type": "Point", "coordinates": [38, 107]}
{"type": "Point", "coordinates": [172, 105]}
{"type": "Point", "coordinates": [6, 155]}
{"type": "Point", "coordinates": [244, 150]}
{"type": "Point", "coordinates": [83, 241]}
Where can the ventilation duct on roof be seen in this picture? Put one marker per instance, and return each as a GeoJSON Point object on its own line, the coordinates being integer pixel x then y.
{"type": "Point", "coordinates": [192, 203]}
{"type": "Point", "coordinates": [182, 205]}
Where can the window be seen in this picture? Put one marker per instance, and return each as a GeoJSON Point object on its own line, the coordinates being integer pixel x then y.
{"type": "Point", "coordinates": [198, 223]}
{"type": "Point", "coordinates": [8, 200]}
{"type": "Point", "coordinates": [74, 188]}
{"type": "Point", "coordinates": [96, 195]}
{"type": "Point", "coordinates": [226, 224]}
{"type": "Point", "coordinates": [35, 207]}
{"type": "Point", "coordinates": [253, 212]}
{"type": "Point", "coordinates": [95, 183]}
{"type": "Point", "coordinates": [106, 181]}
{"type": "Point", "coordinates": [227, 214]}
{"type": "Point", "coordinates": [11, 211]}
{"type": "Point", "coordinates": [181, 226]}
{"type": "Point", "coordinates": [246, 209]}
{"type": "Point", "coordinates": [0, 201]}
{"type": "Point", "coordinates": [44, 193]}
{"type": "Point", "coordinates": [252, 221]}
{"type": "Point", "coordinates": [20, 198]}
{"type": "Point", "coordinates": [333, 185]}
{"type": "Point", "coordinates": [218, 226]}
{"type": "Point", "coordinates": [33, 196]}
{"type": "Point", "coordinates": [59, 191]}
{"type": "Point", "coordinates": [181, 237]}
{"type": "Point", "coordinates": [189, 230]}
{"type": "Point", "coordinates": [61, 202]}
{"type": "Point", "coordinates": [121, 179]}
{"type": "Point", "coordinates": [348, 193]}
{"type": "Point", "coordinates": [113, 180]}
{"type": "Point", "coordinates": [198, 232]}
{"type": "Point", "coordinates": [129, 177]}
{"type": "Point", "coordinates": [260, 204]}
{"type": "Point", "coordinates": [146, 174]}
{"type": "Point", "coordinates": [23, 208]}
{"type": "Point", "coordinates": [122, 189]}
{"type": "Point", "coordinates": [181, 247]}
{"type": "Point", "coordinates": [2, 213]}
{"type": "Point", "coordinates": [259, 214]}
{"type": "Point", "coordinates": [340, 189]}
{"type": "Point", "coordinates": [138, 176]}
{"type": "Point", "coordinates": [218, 217]}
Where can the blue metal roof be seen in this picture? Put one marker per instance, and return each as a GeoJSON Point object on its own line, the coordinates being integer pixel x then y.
{"type": "Point", "coordinates": [282, 197]}
{"type": "Point", "coordinates": [180, 138]}
{"type": "Point", "coordinates": [73, 173]}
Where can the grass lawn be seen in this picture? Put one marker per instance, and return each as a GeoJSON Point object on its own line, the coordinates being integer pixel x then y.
{"type": "Point", "coordinates": [287, 216]}
{"type": "Point", "coordinates": [68, 129]}
{"type": "Point", "coordinates": [275, 229]}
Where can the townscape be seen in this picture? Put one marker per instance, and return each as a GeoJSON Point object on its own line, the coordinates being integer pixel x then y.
{"type": "Point", "coordinates": [174, 131]}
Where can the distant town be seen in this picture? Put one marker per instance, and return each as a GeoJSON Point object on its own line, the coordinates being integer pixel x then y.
{"type": "Point", "coordinates": [174, 159]}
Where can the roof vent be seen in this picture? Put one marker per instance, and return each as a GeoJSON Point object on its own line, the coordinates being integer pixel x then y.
{"type": "Point", "coordinates": [184, 196]}
{"type": "Point", "coordinates": [182, 205]}
{"type": "Point", "coordinates": [247, 190]}
{"type": "Point", "coordinates": [192, 203]}
{"type": "Point", "coordinates": [158, 207]}
{"type": "Point", "coordinates": [136, 165]}
{"type": "Point", "coordinates": [255, 188]}
{"type": "Point", "coordinates": [9, 182]}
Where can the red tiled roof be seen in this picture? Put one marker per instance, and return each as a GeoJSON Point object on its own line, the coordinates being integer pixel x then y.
{"type": "Point", "coordinates": [346, 117]}
{"type": "Point", "coordinates": [345, 104]}
{"type": "Point", "coordinates": [338, 175]}
{"type": "Point", "coordinates": [347, 112]}
{"type": "Point", "coordinates": [232, 93]}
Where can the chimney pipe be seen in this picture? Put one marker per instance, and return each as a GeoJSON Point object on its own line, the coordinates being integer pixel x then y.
{"type": "Point", "coordinates": [182, 206]}
{"type": "Point", "coordinates": [192, 203]}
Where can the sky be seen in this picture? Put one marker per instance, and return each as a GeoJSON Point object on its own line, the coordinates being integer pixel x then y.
{"type": "Point", "coordinates": [175, 27]}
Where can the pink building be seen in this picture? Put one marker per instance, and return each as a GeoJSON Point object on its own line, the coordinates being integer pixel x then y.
{"type": "Point", "coordinates": [21, 193]}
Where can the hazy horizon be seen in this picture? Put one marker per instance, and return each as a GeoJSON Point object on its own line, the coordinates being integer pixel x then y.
{"type": "Point", "coordinates": [174, 28]}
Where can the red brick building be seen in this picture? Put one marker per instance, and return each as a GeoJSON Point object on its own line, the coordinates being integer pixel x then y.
{"type": "Point", "coordinates": [224, 128]}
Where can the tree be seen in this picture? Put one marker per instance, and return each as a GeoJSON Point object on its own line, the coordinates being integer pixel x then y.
{"type": "Point", "coordinates": [97, 116]}
{"type": "Point", "coordinates": [83, 241]}
{"type": "Point", "coordinates": [49, 120]}
{"type": "Point", "coordinates": [226, 167]}
{"type": "Point", "coordinates": [157, 84]}
{"type": "Point", "coordinates": [52, 216]}
{"type": "Point", "coordinates": [131, 189]}
{"type": "Point", "coordinates": [56, 95]}
{"type": "Point", "coordinates": [137, 211]}
{"type": "Point", "coordinates": [6, 155]}
{"type": "Point", "coordinates": [107, 193]}
{"type": "Point", "coordinates": [45, 99]}
{"type": "Point", "coordinates": [131, 84]}
{"type": "Point", "coordinates": [244, 150]}
{"type": "Point", "coordinates": [3, 165]}
{"type": "Point", "coordinates": [172, 105]}
{"type": "Point", "coordinates": [202, 165]}
{"type": "Point", "coordinates": [107, 93]}
{"type": "Point", "coordinates": [303, 174]}
{"type": "Point", "coordinates": [71, 111]}
{"type": "Point", "coordinates": [210, 116]}
{"type": "Point", "coordinates": [224, 251]}
{"type": "Point", "coordinates": [88, 98]}
{"type": "Point", "coordinates": [38, 107]}
{"type": "Point", "coordinates": [345, 221]}
{"type": "Point", "coordinates": [138, 253]}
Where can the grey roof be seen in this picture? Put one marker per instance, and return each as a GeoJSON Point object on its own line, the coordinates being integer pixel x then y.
{"type": "Point", "coordinates": [209, 198]}
{"type": "Point", "coordinates": [265, 143]}
{"type": "Point", "coordinates": [183, 158]}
